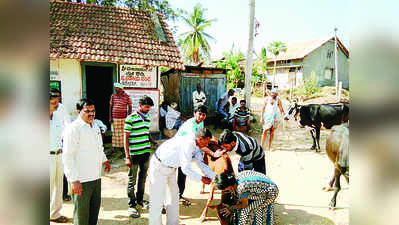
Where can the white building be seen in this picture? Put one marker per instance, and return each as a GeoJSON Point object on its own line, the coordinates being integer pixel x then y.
{"type": "Point", "coordinates": [91, 47]}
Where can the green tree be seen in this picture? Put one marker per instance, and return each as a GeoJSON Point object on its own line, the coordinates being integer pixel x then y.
{"type": "Point", "coordinates": [275, 48]}
{"type": "Point", "coordinates": [261, 64]}
{"type": "Point", "coordinates": [231, 62]}
{"type": "Point", "coordinates": [195, 45]}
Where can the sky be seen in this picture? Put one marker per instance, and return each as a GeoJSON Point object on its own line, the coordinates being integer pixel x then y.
{"type": "Point", "coordinates": [284, 20]}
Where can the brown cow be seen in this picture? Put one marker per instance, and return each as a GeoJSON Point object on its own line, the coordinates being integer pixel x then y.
{"type": "Point", "coordinates": [337, 148]}
{"type": "Point", "coordinates": [218, 165]}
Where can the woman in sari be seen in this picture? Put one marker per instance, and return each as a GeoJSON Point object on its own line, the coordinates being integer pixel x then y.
{"type": "Point", "coordinates": [256, 194]}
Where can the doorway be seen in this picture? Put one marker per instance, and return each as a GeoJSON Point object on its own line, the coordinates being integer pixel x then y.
{"type": "Point", "coordinates": [99, 81]}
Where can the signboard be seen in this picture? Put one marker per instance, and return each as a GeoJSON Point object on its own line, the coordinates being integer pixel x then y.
{"type": "Point", "coordinates": [55, 84]}
{"type": "Point", "coordinates": [132, 76]}
{"type": "Point", "coordinates": [135, 95]}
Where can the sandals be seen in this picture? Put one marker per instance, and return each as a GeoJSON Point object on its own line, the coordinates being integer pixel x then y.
{"type": "Point", "coordinates": [133, 212]}
{"type": "Point", "coordinates": [67, 198]}
{"type": "Point", "coordinates": [185, 201]}
{"type": "Point", "coordinates": [61, 219]}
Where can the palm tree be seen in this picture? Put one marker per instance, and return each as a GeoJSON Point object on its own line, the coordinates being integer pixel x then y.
{"type": "Point", "coordinates": [275, 48]}
{"type": "Point", "coordinates": [195, 44]}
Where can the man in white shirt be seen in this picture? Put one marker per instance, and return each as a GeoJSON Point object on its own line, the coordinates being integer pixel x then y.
{"type": "Point", "coordinates": [222, 101]}
{"type": "Point", "coordinates": [190, 127]}
{"type": "Point", "coordinates": [173, 117]}
{"type": "Point", "coordinates": [83, 156]}
{"type": "Point", "coordinates": [234, 105]}
{"type": "Point", "coordinates": [61, 113]}
{"type": "Point", "coordinates": [176, 152]}
{"type": "Point", "coordinates": [199, 97]}
{"type": "Point", "coordinates": [61, 109]}
{"type": "Point", "coordinates": [56, 169]}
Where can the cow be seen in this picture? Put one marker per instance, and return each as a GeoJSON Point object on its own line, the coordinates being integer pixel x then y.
{"type": "Point", "coordinates": [218, 165]}
{"type": "Point", "coordinates": [316, 116]}
{"type": "Point", "coordinates": [337, 148]}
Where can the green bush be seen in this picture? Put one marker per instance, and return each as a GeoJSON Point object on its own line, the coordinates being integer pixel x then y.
{"type": "Point", "coordinates": [310, 85]}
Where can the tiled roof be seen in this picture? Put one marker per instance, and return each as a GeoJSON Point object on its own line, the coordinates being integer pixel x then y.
{"type": "Point", "coordinates": [301, 49]}
{"type": "Point", "coordinates": [109, 34]}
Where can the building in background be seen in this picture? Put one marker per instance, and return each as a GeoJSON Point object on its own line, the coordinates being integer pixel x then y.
{"type": "Point", "coordinates": [179, 86]}
{"type": "Point", "coordinates": [92, 46]}
{"type": "Point", "coordinates": [302, 58]}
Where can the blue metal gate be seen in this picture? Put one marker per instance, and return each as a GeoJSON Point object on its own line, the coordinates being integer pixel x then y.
{"type": "Point", "coordinates": [213, 85]}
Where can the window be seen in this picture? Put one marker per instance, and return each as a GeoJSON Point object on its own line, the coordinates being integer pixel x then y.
{"type": "Point", "coordinates": [292, 69]}
{"type": "Point", "coordinates": [330, 53]}
{"type": "Point", "coordinates": [328, 74]}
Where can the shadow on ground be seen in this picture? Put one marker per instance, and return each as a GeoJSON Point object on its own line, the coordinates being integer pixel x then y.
{"type": "Point", "coordinates": [111, 204]}
{"type": "Point", "coordinates": [287, 216]}
{"type": "Point", "coordinates": [195, 210]}
{"type": "Point", "coordinates": [125, 221]}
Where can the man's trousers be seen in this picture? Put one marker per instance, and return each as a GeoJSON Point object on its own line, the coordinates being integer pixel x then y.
{"type": "Point", "coordinates": [138, 173]}
{"type": "Point", "coordinates": [56, 176]}
{"type": "Point", "coordinates": [87, 205]}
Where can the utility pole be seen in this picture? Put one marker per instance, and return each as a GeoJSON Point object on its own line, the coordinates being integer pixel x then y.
{"type": "Point", "coordinates": [248, 64]}
{"type": "Point", "coordinates": [336, 61]}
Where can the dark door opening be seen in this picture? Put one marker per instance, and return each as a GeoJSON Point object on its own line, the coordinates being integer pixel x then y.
{"type": "Point", "coordinates": [99, 88]}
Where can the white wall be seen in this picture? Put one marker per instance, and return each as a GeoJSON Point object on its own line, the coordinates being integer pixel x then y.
{"type": "Point", "coordinates": [70, 74]}
{"type": "Point", "coordinates": [282, 79]}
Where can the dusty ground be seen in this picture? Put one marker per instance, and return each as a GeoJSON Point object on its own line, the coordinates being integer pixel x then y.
{"type": "Point", "coordinates": [299, 172]}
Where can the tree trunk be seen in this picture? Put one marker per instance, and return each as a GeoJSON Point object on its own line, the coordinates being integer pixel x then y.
{"type": "Point", "coordinates": [263, 84]}
{"type": "Point", "coordinates": [274, 71]}
{"type": "Point", "coordinates": [248, 66]}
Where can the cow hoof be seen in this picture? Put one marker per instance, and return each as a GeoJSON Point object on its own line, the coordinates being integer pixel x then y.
{"type": "Point", "coordinates": [332, 205]}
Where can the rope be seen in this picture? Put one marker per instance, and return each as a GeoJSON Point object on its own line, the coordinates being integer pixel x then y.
{"type": "Point", "coordinates": [313, 206]}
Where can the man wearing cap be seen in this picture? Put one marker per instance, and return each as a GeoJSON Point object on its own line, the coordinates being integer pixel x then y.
{"type": "Point", "coordinates": [222, 101]}
{"type": "Point", "coordinates": [270, 116]}
{"type": "Point", "coordinates": [120, 106]}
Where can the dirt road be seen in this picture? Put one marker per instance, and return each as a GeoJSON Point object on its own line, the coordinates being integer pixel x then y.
{"type": "Point", "coordinates": [299, 172]}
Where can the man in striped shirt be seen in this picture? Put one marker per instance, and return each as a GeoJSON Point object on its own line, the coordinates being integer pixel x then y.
{"type": "Point", "coordinates": [241, 118]}
{"type": "Point", "coordinates": [137, 143]}
{"type": "Point", "coordinates": [120, 106]}
{"type": "Point", "coordinates": [252, 155]}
